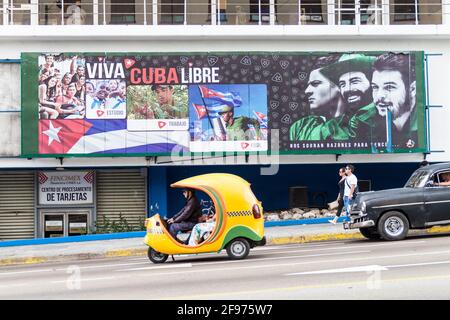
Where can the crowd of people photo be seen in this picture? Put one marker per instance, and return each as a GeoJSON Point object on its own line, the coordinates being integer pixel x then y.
{"type": "Point", "coordinates": [61, 87]}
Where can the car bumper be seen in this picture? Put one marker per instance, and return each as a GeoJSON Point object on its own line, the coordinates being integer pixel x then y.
{"type": "Point", "coordinates": [359, 222]}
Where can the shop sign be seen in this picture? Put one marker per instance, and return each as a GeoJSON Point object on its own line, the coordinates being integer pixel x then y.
{"type": "Point", "coordinates": [53, 226]}
{"type": "Point", "coordinates": [66, 188]}
{"type": "Point", "coordinates": [77, 227]}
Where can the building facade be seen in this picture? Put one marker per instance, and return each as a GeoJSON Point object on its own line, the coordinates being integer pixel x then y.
{"type": "Point", "coordinates": [60, 193]}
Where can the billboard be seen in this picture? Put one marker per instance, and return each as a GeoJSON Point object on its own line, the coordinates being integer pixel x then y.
{"type": "Point", "coordinates": [142, 104]}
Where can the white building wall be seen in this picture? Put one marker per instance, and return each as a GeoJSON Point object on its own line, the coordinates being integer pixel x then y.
{"type": "Point", "coordinates": [9, 109]}
{"type": "Point", "coordinates": [439, 67]}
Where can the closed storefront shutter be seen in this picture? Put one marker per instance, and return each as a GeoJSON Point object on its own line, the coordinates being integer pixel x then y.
{"type": "Point", "coordinates": [17, 218]}
{"type": "Point", "coordinates": [121, 194]}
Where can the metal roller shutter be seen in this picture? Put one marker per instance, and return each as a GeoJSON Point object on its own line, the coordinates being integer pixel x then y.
{"type": "Point", "coordinates": [17, 218]}
{"type": "Point", "coordinates": [121, 192]}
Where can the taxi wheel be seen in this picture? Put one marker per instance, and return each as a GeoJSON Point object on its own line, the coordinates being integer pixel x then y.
{"type": "Point", "coordinates": [238, 248]}
{"type": "Point", "coordinates": [156, 257]}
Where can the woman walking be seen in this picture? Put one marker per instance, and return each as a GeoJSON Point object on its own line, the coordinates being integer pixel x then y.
{"type": "Point", "coordinates": [340, 198]}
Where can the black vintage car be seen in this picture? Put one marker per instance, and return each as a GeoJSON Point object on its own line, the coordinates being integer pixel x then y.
{"type": "Point", "coordinates": [422, 203]}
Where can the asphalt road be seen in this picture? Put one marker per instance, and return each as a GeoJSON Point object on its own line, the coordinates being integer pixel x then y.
{"type": "Point", "coordinates": [416, 268]}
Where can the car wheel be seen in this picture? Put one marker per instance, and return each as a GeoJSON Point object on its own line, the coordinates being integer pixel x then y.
{"type": "Point", "coordinates": [156, 257]}
{"type": "Point", "coordinates": [238, 248]}
{"type": "Point", "coordinates": [370, 233]}
{"type": "Point", "coordinates": [393, 226]}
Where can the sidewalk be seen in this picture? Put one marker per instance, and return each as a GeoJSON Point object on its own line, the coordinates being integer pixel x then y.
{"type": "Point", "coordinates": [32, 254]}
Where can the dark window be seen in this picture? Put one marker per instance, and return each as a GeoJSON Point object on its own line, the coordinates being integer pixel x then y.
{"type": "Point", "coordinates": [348, 14]}
{"type": "Point", "coordinates": [312, 10]}
{"type": "Point", "coordinates": [172, 12]}
{"type": "Point", "coordinates": [404, 10]}
{"type": "Point", "coordinates": [123, 12]}
{"type": "Point", "coordinates": [265, 10]}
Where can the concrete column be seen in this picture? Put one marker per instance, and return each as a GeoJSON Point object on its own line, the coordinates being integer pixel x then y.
{"type": "Point", "coordinates": [385, 12]}
{"type": "Point", "coordinates": [155, 11]}
{"type": "Point", "coordinates": [331, 16]}
{"type": "Point", "coordinates": [157, 189]}
{"type": "Point", "coordinates": [272, 12]}
{"type": "Point", "coordinates": [95, 12]}
{"type": "Point", "coordinates": [5, 12]}
{"type": "Point", "coordinates": [445, 11]}
{"type": "Point", "coordinates": [34, 11]}
{"type": "Point", "coordinates": [214, 12]}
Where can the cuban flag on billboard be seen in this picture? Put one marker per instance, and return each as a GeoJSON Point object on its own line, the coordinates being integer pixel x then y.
{"type": "Point", "coordinates": [263, 123]}
{"type": "Point", "coordinates": [209, 110]}
{"type": "Point", "coordinates": [105, 136]}
{"type": "Point", "coordinates": [200, 110]}
{"type": "Point", "coordinates": [232, 99]}
{"type": "Point", "coordinates": [262, 119]}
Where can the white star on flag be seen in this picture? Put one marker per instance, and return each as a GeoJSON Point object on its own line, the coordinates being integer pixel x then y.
{"type": "Point", "coordinates": [52, 133]}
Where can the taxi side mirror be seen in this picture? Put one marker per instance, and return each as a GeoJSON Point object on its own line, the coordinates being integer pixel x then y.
{"type": "Point", "coordinates": [429, 184]}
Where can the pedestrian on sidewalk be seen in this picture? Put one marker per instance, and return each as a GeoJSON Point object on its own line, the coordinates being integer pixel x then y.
{"type": "Point", "coordinates": [340, 197]}
{"type": "Point", "coordinates": [350, 188]}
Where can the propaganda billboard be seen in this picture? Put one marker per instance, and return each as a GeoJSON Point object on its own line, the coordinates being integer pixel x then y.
{"type": "Point", "coordinates": [141, 104]}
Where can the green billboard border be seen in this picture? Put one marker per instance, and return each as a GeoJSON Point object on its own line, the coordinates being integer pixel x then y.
{"type": "Point", "coordinates": [30, 72]}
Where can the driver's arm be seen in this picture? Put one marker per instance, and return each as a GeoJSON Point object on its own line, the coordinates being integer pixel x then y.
{"type": "Point", "coordinates": [172, 220]}
{"type": "Point", "coordinates": [186, 212]}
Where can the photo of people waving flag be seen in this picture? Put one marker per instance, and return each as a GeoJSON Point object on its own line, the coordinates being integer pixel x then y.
{"type": "Point", "coordinates": [224, 115]}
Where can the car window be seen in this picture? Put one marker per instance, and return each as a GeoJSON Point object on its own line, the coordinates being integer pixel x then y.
{"type": "Point", "coordinates": [443, 179]}
{"type": "Point", "coordinates": [418, 179]}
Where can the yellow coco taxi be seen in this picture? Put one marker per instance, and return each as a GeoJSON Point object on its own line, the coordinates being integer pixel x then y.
{"type": "Point", "coordinates": [239, 223]}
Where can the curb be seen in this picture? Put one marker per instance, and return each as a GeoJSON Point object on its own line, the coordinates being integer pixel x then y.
{"type": "Point", "coordinates": [17, 261]}
{"type": "Point", "coordinates": [143, 251]}
{"type": "Point", "coordinates": [73, 257]}
{"type": "Point", "coordinates": [314, 238]}
{"type": "Point", "coordinates": [85, 238]}
{"type": "Point", "coordinates": [435, 230]}
{"type": "Point", "coordinates": [141, 234]}
{"type": "Point", "coordinates": [126, 253]}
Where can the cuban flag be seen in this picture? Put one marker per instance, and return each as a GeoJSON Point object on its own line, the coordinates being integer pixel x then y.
{"type": "Point", "coordinates": [262, 119]}
{"type": "Point", "coordinates": [232, 99]}
{"type": "Point", "coordinates": [211, 110]}
{"type": "Point", "coordinates": [200, 110]}
{"type": "Point", "coordinates": [105, 136]}
{"type": "Point", "coordinates": [263, 123]}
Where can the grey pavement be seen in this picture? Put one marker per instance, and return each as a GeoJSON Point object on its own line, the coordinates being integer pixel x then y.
{"type": "Point", "coordinates": [415, 268]}
{"type": "Point", "coordinates": [135, 247]}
